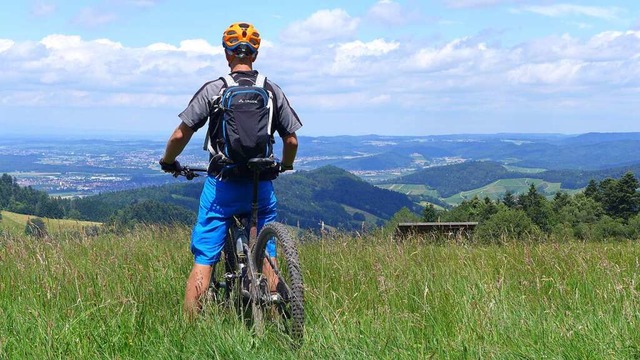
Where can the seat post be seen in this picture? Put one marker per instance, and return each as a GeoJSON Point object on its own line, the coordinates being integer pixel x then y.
{"type": "Point", "coordinates": [253, 230]}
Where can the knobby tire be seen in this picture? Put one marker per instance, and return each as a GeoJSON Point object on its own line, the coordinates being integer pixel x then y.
{"type": "Point", "coordinates": [292, 310]}
{"type": "Point", "coordinates": [254, 291]}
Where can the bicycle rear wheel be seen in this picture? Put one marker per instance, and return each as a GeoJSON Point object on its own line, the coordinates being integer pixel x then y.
{"type": "Point", "coordinates": [282, 289]}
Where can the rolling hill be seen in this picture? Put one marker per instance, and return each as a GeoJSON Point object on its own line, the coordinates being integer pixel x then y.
{"type": "Point", "coordinates": [307, 198]}
{"type": "Point", "coordinates": [453, 183]}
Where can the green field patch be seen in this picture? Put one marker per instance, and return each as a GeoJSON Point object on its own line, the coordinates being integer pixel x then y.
{"type": "Point", "coordinates": [497, 189]}
{"type": "Point", "coordinates": [524, 170]}
{"type": "Point", "coordinates": [16, 223]}
{"type": "Point", "coordinates": [410, 189]}
{"type": "Point", "coordinates": [369, 218]}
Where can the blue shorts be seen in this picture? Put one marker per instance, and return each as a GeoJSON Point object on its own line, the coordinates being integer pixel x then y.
{"type": "Point", "coordinates": [219, 201]}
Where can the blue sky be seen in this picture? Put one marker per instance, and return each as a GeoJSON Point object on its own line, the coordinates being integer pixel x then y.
{"type": "Point", "coordinates": [128, 67]}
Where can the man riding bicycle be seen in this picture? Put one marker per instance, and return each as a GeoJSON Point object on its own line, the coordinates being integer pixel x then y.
{"type": "Point", "coordinates": [227, 193]}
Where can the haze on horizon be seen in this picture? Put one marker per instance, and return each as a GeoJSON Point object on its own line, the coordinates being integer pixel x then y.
{"type": "Point", "coordinates": [128, 67]}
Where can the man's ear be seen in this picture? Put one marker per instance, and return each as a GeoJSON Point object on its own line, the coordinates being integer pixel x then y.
{"type": "Point", "coordinates": [254, 56]}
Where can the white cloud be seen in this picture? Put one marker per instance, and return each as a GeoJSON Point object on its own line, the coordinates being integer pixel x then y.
{"type": "Point", "coordinates": [558, 10]}
{"type": "Point", "coordinates": [563, 71]}
{"type": "Point", "coordinates": [65, 66]}
{"type": "Point", "coordinates": [461, 74]}
{"type": "Point", "coordinates": [457, 54]}
{"type": "Point", "coordinates": [189, 46]}
{"type": "Point", "coordinates": [6, 44]}
{"type": "Point", "coordinates": [349, 55]}
{"type": "Point", "coordinates": [322, 25]}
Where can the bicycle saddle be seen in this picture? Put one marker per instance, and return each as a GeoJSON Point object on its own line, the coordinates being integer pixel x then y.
{"type": "Point", "coordinates": [261, 164]}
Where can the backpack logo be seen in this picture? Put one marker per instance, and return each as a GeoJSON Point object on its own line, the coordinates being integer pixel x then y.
{"type": "Point", "coordinates": [240, 126]}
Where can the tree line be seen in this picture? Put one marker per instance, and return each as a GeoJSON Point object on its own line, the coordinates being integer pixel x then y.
{"type": "Point", "coordinates": [131, 211]}
{"type": "Point", "coordinates": [605, 210]}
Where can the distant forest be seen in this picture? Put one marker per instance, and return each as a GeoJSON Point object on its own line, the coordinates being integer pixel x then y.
{"type": "Point", "coordinates": [336, 198]}
{"type": "Point", "coordinates": [307, 199]}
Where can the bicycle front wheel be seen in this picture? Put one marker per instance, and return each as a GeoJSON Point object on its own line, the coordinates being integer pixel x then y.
{"type": "Point", "coordinates": [281, 280]}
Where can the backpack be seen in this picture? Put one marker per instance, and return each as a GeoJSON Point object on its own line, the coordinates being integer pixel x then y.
{"type": "Point", "coordinates": [240, 127]}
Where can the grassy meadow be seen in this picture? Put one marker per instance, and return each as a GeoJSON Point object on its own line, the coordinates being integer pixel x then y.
{"type": "Point", "coordinates": [15, 224]}
{"type": "Point", "coordinates": [119, 297]}
{"type": "Point", "coordinates": [497, 189]}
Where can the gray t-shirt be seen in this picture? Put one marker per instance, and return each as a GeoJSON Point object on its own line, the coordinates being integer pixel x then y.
{"type": "Point", "coordinates": [195, 116]}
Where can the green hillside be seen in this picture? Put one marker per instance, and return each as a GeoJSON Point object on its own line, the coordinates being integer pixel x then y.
{"type": "Point", "coordinates": [454, 183]}
{"type": "Point", "coordinates": [452, 179]}
{"type": "Point", "coordinates": [497, 189]}
{"type": "Point", "coordinates": [321, 195]}
{"type": "Point", "coordinates": [15, 224]}
{"type": "Point", "coordinates": [305, 199]}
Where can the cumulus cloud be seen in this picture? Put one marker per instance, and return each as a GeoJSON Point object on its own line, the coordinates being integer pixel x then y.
{"type": "Point", "coordinates": [189, 46]}
{"type": "Point", "coordinates": [103, 71]}
{"type": "Point", "coordinates": [465, 73]}
{"type": "Point", "coordinates": [563, 71]}
{"type": "Point", "coordinates": [322, 25]}
{"type": "Point", "coordinates": [350, 55]}
{"type": "Point", "coordinates": [5, 44]}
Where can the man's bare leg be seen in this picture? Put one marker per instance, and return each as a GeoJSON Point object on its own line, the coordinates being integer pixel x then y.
{"type": "Point", "coordinates": [197, 286]}
{"type": "Point", "coordinates": [267, 270]}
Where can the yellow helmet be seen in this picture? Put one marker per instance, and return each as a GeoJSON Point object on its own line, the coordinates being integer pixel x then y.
{"type": "Point", "coordinates": [240, 38]}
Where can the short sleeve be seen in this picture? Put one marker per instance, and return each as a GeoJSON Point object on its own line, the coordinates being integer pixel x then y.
{"type": "Point", "coordinates": [288, 121]}
{"type": "Point", "coordinates": [197, 112]}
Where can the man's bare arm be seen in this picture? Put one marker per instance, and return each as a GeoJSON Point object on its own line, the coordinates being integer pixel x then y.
{"type": "Point", "coordinates": [289, 149]}
{"type": "Point", "coordinates": [177, 142]}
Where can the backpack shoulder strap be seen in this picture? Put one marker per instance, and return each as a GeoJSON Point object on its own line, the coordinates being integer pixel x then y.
{"type": "Point", "coordinates": [261, 81]}
{"type": "Point", "coordinates": [226, 82]}
{"type": "Point", "coordinates": [229, 80]}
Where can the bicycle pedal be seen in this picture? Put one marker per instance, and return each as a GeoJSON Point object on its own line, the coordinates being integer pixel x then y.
{"type": "Point", "coordinates": [274, 298]}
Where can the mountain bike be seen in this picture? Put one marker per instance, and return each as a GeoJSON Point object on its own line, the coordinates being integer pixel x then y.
{"type": "Point", "coordinates": [267, 291]}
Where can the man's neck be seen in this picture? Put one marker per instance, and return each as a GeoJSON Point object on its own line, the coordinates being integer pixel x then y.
{"type": "Point", "coordinates": [241, 67]}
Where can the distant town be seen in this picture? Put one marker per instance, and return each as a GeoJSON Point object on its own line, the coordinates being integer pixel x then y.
{"type": "Point", "coordinates": [77, 168]}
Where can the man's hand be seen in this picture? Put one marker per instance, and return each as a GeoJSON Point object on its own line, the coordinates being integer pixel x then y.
{"type": "Point", "coordinates": [283, 167]}
{"type": "Point", "coordinates": [173, 168]}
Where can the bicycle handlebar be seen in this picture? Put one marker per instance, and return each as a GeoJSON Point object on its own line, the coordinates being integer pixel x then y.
{"type": "Point", "coordinates": [257, 165]}
{"type": "Point", "coordinates": [190, 172]}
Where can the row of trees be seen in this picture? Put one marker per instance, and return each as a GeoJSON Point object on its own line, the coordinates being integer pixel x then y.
{"type": "Point", "coordinates": [26, 200]}
{"type": "Point", "coordinates": [127, 213]}
{"type": "Point", "coordinates": [606, 209]}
